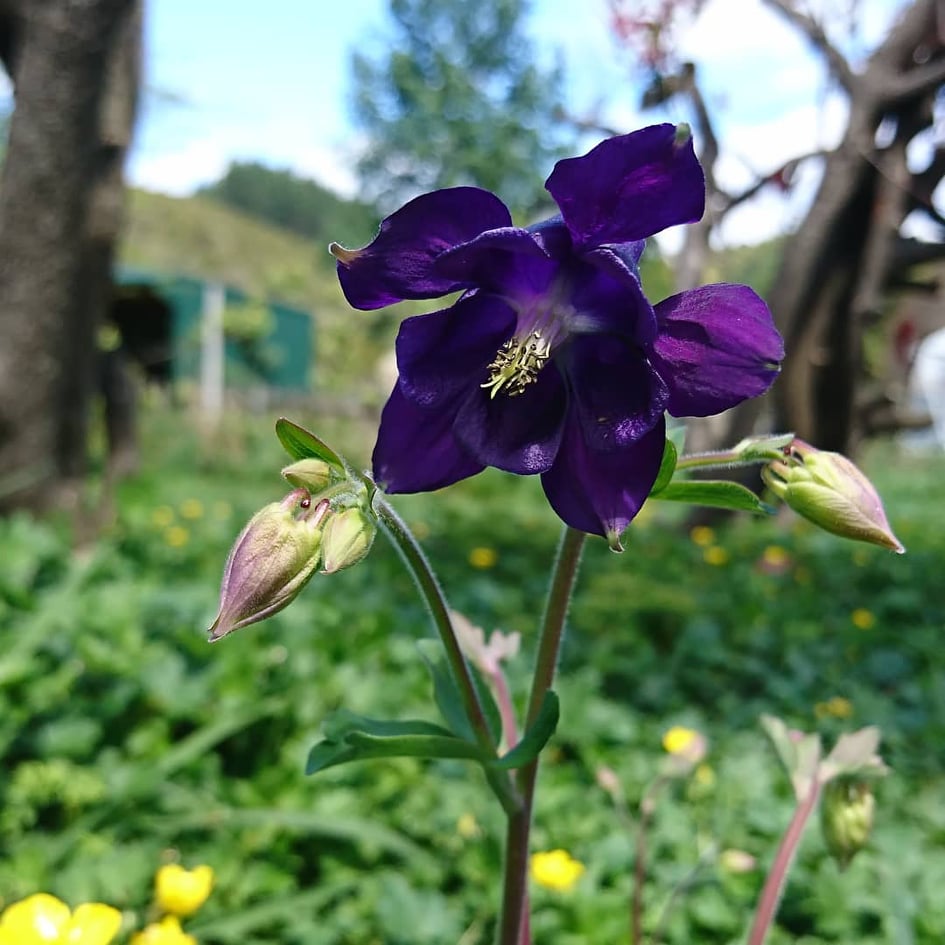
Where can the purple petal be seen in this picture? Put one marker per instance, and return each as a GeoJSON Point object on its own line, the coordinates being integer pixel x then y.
{"type": "Point", "coordinates": [518, 434]}
{"type": "Point", "coordinates": [617, 397]}
{"type": "Point", "coordinates": [607, 296]}
{"type": "Point", "coordinates": [717, 346]}
{"type": "Point", "coordinates": [600, 492]}
{"type": "Point", "coordinates": [508, 260]}
{"type": "Point", "coordinates": [629, 187]}
{"type": "Point", "coordinates": [398, 264]}
{"type": "Point", "coordinates": [416, 450]}
{"type": "Point", "coordinates": [443, 353]}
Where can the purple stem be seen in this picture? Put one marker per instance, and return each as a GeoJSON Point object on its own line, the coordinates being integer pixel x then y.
{"type": "Point", "coordinates": [777, 875]}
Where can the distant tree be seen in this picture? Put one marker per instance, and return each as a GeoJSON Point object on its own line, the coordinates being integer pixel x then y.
{"type": "Point", "coordinates": [295, 203]}
{"type": "Point", "coordinates": [74, 67]}
{"type": "Point", "coordinates": [458, 99]}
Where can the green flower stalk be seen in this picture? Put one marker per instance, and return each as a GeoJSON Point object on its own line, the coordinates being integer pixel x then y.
{"type": "Point", "coordinates": [272, 560]}
{"type": "Point", "coordinates": [830, 491]}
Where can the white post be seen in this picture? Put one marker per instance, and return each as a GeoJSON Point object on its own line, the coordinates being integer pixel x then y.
{"type": "Point", "coordinates": [212, 353]}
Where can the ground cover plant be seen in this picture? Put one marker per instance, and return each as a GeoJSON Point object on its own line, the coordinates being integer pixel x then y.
{"type": "Point", "coordinates": [127, 740]}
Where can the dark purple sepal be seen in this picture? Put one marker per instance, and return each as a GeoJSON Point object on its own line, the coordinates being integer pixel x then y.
{"type": "Point", "coordinates": [629, 187]}
{"type": "Point", "coordinates": [398, 263]}
{"type": "Point", "coordinates": [446, 352]}
{"type": "Point", "coordinates": [600, 492]}
{"type": "Point", "coordinates": [717, 346]}
{"type": "Point", "coordinates": [416, 450]}
{"type": "Point", "coordinates": [518, 434]}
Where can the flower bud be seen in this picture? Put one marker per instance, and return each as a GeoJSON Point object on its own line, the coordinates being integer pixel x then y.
{"type": "Point", "coordinates": [272, 560]}
{"type": "Point", "coordinates": [346, 539]}
{"type": "Point", "coordinates": [830, 491]}
{"type": "Point", "coordinates": [846, 817]}
{"type": "Point", "coordinates": [311, 474]}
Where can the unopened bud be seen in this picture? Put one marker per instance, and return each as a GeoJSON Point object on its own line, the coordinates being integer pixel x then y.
{"type": "Point", "coordinates": [830, 491]}
{"type": "Point", "coordinates": [846, 817]}
{"type": "Point", "coordinates": [346, 539]}
{"type": "Point", "coordinates": [313, 475]}
{"type": "Point", "coordinates": [271, 561]}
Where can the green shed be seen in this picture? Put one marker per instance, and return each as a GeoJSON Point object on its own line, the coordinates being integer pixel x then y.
{"type": "Point", "coordinates": [182, 328]}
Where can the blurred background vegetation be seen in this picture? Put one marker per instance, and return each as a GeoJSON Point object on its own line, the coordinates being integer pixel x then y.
{"type": "Point", "coordinates": [126, 740]}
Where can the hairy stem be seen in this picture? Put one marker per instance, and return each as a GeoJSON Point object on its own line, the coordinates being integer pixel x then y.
{"type": "Point", "coordinates": [432, 595]}
{"type": "Point", "coordinates": [513, 923]}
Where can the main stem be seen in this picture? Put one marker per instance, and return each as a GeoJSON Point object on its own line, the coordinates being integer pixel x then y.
{"type": "Point", "coordinates": [515, 889]}
{"type": "Point", "coordinates": [774, 884]}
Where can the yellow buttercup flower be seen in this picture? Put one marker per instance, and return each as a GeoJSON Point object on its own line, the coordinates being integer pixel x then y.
{"type": "Point", "coordinates": [182, 892]}
{"type": "Point", "coordinates": [702, 535]}
{"type": "Point", "coordinates": [863, 619]}
{"type": "Point", "coordinates": [165, 932]}
{"type": "Point", "coordinates": [192, 509]}
{"type": "Point", "coordinates": [715, 555]}
{"type": "Point", "coordinates": [678, 739]}
{"type": "Point", "coordinates": [176, 536]}
{"type": "Point", "coordinates": [162, 516]}
{"type": "Point", "coordinates": [42, 919]}
{"type": "Point", "coordinates": [483, 558]}
{"type": "Point", "coordinates": [836, 707]}
{"type": "Point", "coordinates": [556, 869]}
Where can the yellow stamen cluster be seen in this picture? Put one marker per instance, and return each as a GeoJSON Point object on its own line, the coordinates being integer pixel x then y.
{"type": "Point", "coordinates": [517, 365]}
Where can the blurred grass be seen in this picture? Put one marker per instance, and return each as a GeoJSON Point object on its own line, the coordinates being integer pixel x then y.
{"type": "Point", "coordinates": [125, 736]}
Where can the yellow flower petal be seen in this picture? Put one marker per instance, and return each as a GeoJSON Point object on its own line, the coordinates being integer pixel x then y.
{"type": "Point", "coordinates": [165, 932]}
{"type": "Point", "coordinates": [556, 869]}
{"type": "Point", "coordinates": [93, 923]}
{"type": "Point", "coordinates": [677, 739]}
{"type": "Point", "coordinates": [38, 918]}
{"type": "Point", "coordinates": [180, 891]}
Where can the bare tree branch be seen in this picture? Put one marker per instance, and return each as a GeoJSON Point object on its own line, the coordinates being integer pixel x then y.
{"type": "Point", "coordinates": [814, 32]}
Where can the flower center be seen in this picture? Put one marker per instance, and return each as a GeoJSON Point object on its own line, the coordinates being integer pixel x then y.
{"type": "Point", "coordinates": [516, 365]}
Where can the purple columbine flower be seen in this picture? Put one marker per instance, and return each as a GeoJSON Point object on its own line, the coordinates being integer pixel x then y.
{"type": "Point", "coordinates": [552, 361]}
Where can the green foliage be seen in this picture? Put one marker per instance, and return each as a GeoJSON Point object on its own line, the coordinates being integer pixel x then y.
{"type": "Point", "coordinates": [125, 735]}
{"type": "Point", "coordinates": [458, 99]}
{"type": "Point", "coordinates": [293, 203]}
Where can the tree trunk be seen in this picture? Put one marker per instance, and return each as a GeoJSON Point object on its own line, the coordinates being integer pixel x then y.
{"type": "Point", "coordinates": [59, 212]}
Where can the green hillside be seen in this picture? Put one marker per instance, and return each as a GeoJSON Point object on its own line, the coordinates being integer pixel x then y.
{"type": "Point", "coordinates": [199, 237]}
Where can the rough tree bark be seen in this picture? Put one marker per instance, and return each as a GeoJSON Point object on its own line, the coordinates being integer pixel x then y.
{"type": "Point", "coordinates": [60, 206]}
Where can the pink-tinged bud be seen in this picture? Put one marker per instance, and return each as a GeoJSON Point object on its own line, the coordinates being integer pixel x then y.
{"type": "Point", "coordinates": [830, 491]}
{"type": "Point", "coordinates": [272, 560]}
{"type": "Point", "coordinates": [346, 539]}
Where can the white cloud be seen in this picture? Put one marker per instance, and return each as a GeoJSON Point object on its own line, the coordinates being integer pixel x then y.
{"type": "Point", "coordinates": [181, 171]}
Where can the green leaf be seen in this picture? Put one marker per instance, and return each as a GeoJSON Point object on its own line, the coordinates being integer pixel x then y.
{"type": "Point", "coordinates": [667, 468]}
{"type": "Point", "coordinates": [718, 494]}
{"type": "Point", "coordinates": [351, 737]}
{"type": "Point", "coordinates": [358, 746]}
{"type": "Point", "coordinates": [535, 738]}
{"type": "Point", "coordinates": [447, 697]}
{"type": "Point", "coordinates": [342, 723]}
{"type": "Point", "coordinates": [300, 444]}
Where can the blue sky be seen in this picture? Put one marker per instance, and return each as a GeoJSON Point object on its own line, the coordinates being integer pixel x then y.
{"type": "Point", "coordinates": [270, 82]}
